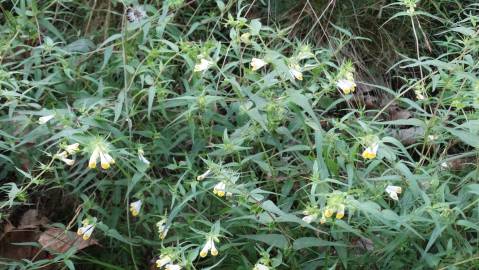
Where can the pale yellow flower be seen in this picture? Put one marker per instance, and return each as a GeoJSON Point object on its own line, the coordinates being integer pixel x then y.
{"type": "Point", "coordinates": [220, 189]}
{"type": "Point", "coordinates": [347, 86]}
{"type": "Point", "coordinates": [371, 151]}
{"type": "Point", "coordinates": [245, 37]}
{"type": "Point", "coordinates": [44, 119]}
{"type": "Point", "coordinates": [209, 246]}
{"type": "Point", "coordinates": [172, 267]}
{"type": "Point", "coordinates": [86, 230]}
{"type": "Point", "coordinates": [163, 260]}
{"type": "Point", "coordinates": [202, 65]}
{"type": "Point", "coordinates": [135, 208]}
{"type": "Point", "coordinates": [340, 212]}
{"type": "Point", "coordinates": [257, 63]}
{"type": "Point", "coordinates": [105, 159]}
{"type": "Point", "coordinates": [260, 266]}
{"type": "Point", "coordinates": [72, 148]}
{"type": "Point", "coordinates": [63, 156]}
{"type": "Point", "coordinates": [393, 192]}
{"type": "Point", "coordinates": [295, 71]}
{"type": "Point", "coordinates": [328, 212]}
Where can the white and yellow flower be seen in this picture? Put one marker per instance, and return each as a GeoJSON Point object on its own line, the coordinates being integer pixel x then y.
{"type": "Point", "coordinates": [257, 63]}
{"type": "Point", "coordinates": [72, 148]}
{"type": "Point", "coordinates": [163, 260]}
{"type": "Point", "coordinates": [346, 85]}
{"type": "Point", "coordinates": [295, 71]}
{"type": "Point", "coordinates": [393, 192]}
{"type": "Point", "coordinates": [44, 119]}
{"type": "Point", "coordinates": [203, 176]}
{"type": "Point", "coordinates": [105, 159]}
{"type": "Point", "coordinates": [370, 151]}
{"type": "Point", "coordinates": [162, 228]}
{"type": "Point", "coordinates": [63, 156]}
{"type": "Point", "coordinates": [309, 216]}
{"type": "Point", "coordinates": [172, 267]}
{"type": "Point", "coordinates": [86, 229]}
{"type": "Point", "coordinates": [340, 211]}
{"type": "Point", "coordinates": [260, 266]}
{"type": "Point", "coordinates": [328, 212]}
{"type": "Point", "coordinates": [220, 189]}
{"type": "Point", "coordinates": [142, 157]}
{"type": "Point", "coordinates": [202, 65]}
{"type": "Point", "coordinates": [135, 208]}
{"type": "Point", "coordinates": [245, 38]}
{"type": "Point", "coordinates": [209, 246]}
{"type": "Point", "coordinates": [419, 95]}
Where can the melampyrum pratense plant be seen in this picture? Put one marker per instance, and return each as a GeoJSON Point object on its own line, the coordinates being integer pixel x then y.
{"type": "Point", "coordinates": [204, 135]}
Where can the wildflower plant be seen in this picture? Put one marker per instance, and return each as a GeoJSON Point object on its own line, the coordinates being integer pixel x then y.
{"type": "Point", "coordinates": [242, 134]}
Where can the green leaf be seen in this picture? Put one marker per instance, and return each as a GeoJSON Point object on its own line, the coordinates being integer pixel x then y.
{"type": "Point", "coordinates": [466, 137]}
{"type": "Point", "coordinates": [274, 240]}
{"type": "Point", "coordinates": [307, 242]}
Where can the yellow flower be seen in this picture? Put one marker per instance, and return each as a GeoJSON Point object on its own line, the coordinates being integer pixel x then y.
{"type": "Point", "coordinates": [135, 208]}
{"type": "Point", "coordinates": [370, 151]}
{"type": "Point", "coordinates": [203, 176]}
{"type": "Point", "coordinates": [44, 119]}
{"type": "Point", "coordinates": [340, 212]}
{"type": "Point", "coordinates": [87, 229]}
{"type": "Point", "coordinates": [72, 148]}
{"type": "Point", "coordinates": [220, 189]}
{"type": "Point", "coordinates": [393, 192]}
{"type": "Point", "coordinates": [162, 261]}
{"type": "Point", "coordinates": [245, 37]}
{"type": "Point", "coordinates": [257, 63]}
{"type": "Point", "coordinates": [348, 86]}
{"type": "Point", "coordinates": [202, 65]}
{"type": "Point", "coordinates": [172, 267]}
{"type": "Point", "coordinates": [328, 212]}
{"type": "Point", "coordinates": [260, 266]}
{"type": "Point", "coordinates": [63, 157]}
{"type": "Point", "coordinates": [209, 246]}
{"type": "Point", "coordinates": [295, 71]}
{"type": "Point", "coordinates": [105, 159]}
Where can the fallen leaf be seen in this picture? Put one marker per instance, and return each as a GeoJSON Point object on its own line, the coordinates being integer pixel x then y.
{"type": "Point", "coordinates": [59, 240]}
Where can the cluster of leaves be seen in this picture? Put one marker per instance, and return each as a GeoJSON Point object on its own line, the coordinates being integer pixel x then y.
{"type": "Point", "coordinates": [221, 153]}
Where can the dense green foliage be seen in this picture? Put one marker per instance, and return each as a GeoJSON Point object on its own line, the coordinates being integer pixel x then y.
{"type": "Point", "coordinates": [275, 161]}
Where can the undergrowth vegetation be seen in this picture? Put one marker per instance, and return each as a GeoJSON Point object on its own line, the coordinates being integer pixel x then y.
{"type": "Point", "coordinates": [240, 134]}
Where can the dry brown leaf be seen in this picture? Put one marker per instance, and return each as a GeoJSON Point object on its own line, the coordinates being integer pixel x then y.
{"type": "Point", "coordinates": [60, 240]}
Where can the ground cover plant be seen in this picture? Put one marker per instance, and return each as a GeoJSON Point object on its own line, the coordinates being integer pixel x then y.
{"type": "Point", "coordinates": [229, 134]}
